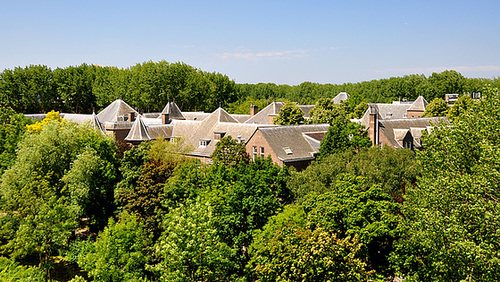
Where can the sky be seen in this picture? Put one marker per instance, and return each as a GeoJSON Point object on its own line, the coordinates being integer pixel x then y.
{"type": "Point", "coordinates": [282, 42]}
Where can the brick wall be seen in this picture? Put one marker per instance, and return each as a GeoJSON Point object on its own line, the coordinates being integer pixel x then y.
{"type": "Point", "coordinates": [259, 141]}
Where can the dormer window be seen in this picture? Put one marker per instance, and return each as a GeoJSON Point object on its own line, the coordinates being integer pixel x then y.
{"type": "Point", "coordinates": [219, 135]}
{"type": "Point", "coordinates": [204, 142]}
{"type": "Point", "coordinates": [407, 144]}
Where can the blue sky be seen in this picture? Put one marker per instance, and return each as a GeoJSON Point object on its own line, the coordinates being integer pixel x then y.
{"type": "Point", "coordinates": [284, 42]}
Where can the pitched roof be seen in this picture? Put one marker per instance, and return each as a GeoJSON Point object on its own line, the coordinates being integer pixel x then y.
{"type": "Point", "coordinates": [160, 131]}
{"type": "Point", "coordinates": [295, 142]}
{"type": "Point", "coordinates": [419, 104]}
{"type": "Point", "coordinates": [195, 115]}
{"type": "Point", "coordinates": [95, 123]}
{"type": "Point", "coordinates": [385, 112]}
{"type": "Point", "coordinates": [173, 111]}
{"type": "Point", "coordinates": [138, 132]}
{"type": "Point", "coordinates": [240, 118]}
{"type": "Point", "coordinates": [262, 117]}
{"type": "Point", "coordinates": [219, 115]}
{"type": "Point", "coordinates": [78, 118]}
{"type": "Point", "coordinates": [116, 112]}
{"type": "Point", "coordinates": [306, 109]}
{"type": "Point", "coordinates": [217, 122]}
{"type": "Point", "coordinates": [342, 96]}
{"type": "Point", "coordinates": [396, 129]}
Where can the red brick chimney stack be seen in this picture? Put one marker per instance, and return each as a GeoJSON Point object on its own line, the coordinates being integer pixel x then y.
{"type": "Point", "coordinates": [373, 125]}
{"type": "Point", "coordinates": [253, 110]}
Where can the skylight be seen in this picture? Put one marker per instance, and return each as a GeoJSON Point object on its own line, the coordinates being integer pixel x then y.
{"type": "Point", "coordinates": [287, 150]}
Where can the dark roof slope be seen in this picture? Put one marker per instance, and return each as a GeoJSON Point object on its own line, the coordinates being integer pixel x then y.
{"type": "Point", "coordinates": [173, 111]}
{"type": "Point", "coordinates": [397, 129]}
{"type": "Point", "coordinates": [262, 117]}
{"type": "Point", "coordinates": [295, 142]}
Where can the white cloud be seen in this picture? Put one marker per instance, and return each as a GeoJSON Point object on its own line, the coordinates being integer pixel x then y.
{"type": "Point", "coordinates": [261, 55]}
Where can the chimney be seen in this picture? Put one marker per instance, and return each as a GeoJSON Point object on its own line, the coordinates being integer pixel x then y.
{"type": "Point", "coordinates": [373, 125]}
{"type": "Point", "coordinates": [270, 119]}
{"type": "Point", "coordinates": [253, 110]}
{"type": "Point", "coordinates": [131, 116]}
{"type": "Point", "coordinates": [165, 118]}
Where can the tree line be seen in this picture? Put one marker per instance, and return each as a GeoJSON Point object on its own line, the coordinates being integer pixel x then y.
{"type": "Point", "coordinates": [75, 205]}
{"type": "Point", "coordinates": [150, 85]}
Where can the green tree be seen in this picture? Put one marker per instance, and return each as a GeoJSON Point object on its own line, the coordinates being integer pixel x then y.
{"type": "Point", "coordinates": [243, 107]}
{"type": "Point", "coordinates": [121, 251]}
{"type": "Point", "coordinates": [12, 130]}
{"type": "Point", "coordinates": [242, 198]}
{"type": "Point", "coordinates": [40, 216]}
{"type": "Point", "coordinates": [325, 111]}
{"type": "Point", "coordinates": [230, 152]}
{"type": "Point", "coordinates": [446, 82]}
{"type": "Point", "coordinates": [344, 234]}
{"type": "Point", "coordinates": [145, 199]}
{"type": "Point", "coordinates": [436, 108]}
{"type": "Point", "coordinates": [28, 90]}
{"type": "Point", "coordinates": [343, 135]}
{"type": "Point", "coordinates": [74, 88]}
{"type": "Point", "coordinates": [13, 271]}
{"type": "Point", "coordinates": [91, 182]}
{"type": "Point", "coordinates": [451, 217]}
{"type": "Point", "coordinates": [359, 110]}
{"type": "Point", "coordinates": [461, 105]}
{"type": "Point", "coordinates": [190, 248]}
{"type": "Point", "coordinates": [290, 114]}
{"type": "Point", "coordinates": [391, 168]}
{"type": "Point", "coordinates": [295, 253]}
{"type": "Point", "coordinates": [353, 208]}
{"type": "Point", "coordinates": [38, 223]}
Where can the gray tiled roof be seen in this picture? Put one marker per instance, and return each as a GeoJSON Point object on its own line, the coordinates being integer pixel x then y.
{"type": "Point", "coordinates": [95, 123]}
{"type": "Point", "coordinates": [262, 117]}
{"type": "Point", "coordinates": [394, 129]}
{"type": "Point", "coordinates": [419, 104]}
{"type": "Point", "coordinates": [306, 109]}
{"type": "Point", "coordinates": [138, 132]}
{"type": "Point", "coordinates": [342, 96]}
{"type": "Point", "coordinates": [160, 131]}
{"type": "Point", "coordinates": [78, 118]}
{"type": "Point", "coordinates": [241, 118]}
{"type": "Point", "coordinates": [385, 112]}
{"type": "Point", "coordinates": [217, 122]}
{"type": "Point", "coordinates": [295, 142]}
{"type": "Point", "coordinates": [116, 112]}
{"type": "Point", "coordinates": [195, 115]}
{"type": "Point", "coordinates": [173, 111]}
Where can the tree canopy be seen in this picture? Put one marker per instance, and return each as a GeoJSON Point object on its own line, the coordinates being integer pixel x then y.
{"type": "Point", "coordinates": [290, 114]}
{"type": "Point", "coordinates": [450, 226]}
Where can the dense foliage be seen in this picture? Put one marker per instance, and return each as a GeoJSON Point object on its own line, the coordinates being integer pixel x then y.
{"type": "Point", "coordinates": [451, 218]}
{"type": "Point", "coordinates": [290, 114]}
{"type": "Point", "coordinates": [71, 203]}
{"type": "Point", "coordinates": [150, 85]}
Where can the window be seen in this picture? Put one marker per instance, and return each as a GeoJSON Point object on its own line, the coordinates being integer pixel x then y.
{"type": "Point", "coordinates": [262, 152]}
{"type": "Point", "coordinates": [218, 135]}
{"type": "Point", "coordinates": [287, 150]}
{"type": "Point", "coordinates": [204, 142]}
{"type": "Point", "coordinates": [254, 151]}
{"type": "Point", "coordinates": [407, 144]}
